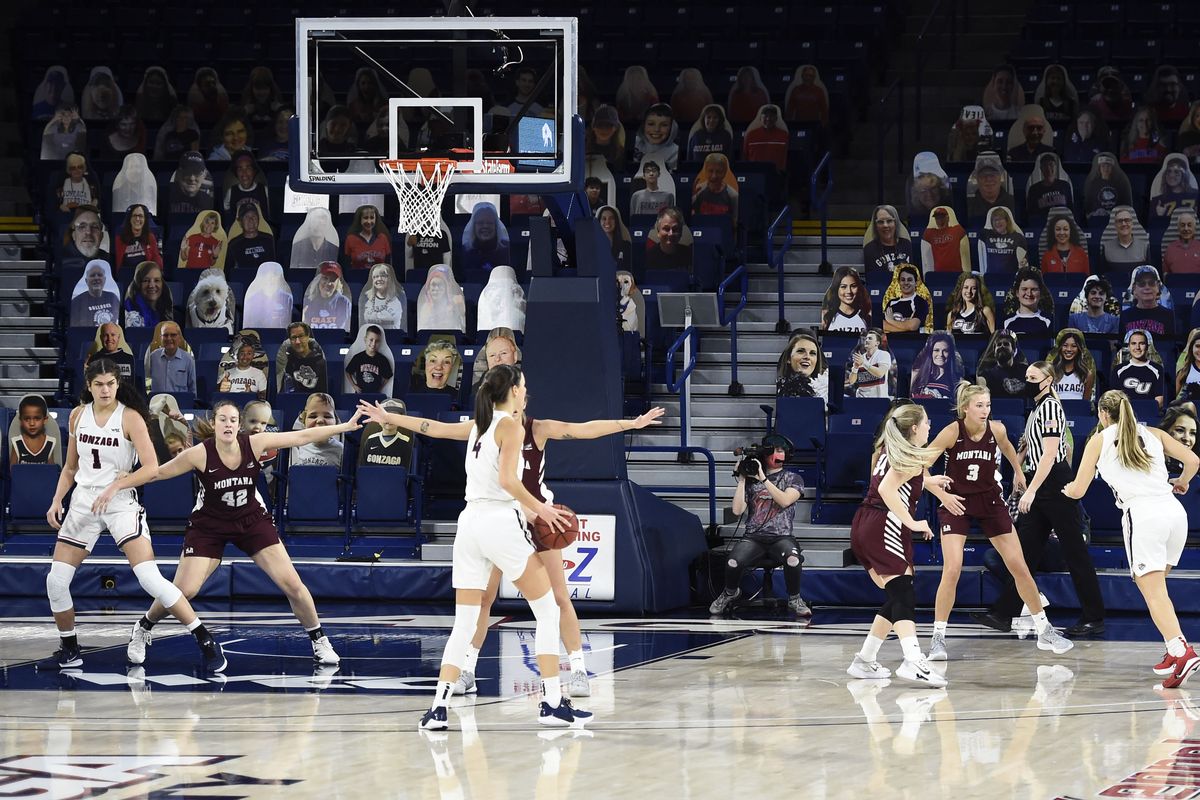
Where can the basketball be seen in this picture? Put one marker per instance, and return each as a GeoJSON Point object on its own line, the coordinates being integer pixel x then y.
{"type": "Point", "coordinates": [551, 539]}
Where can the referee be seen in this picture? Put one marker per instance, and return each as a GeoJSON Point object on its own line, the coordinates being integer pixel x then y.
{"type": "Point", "coordinates": [1044, 508]}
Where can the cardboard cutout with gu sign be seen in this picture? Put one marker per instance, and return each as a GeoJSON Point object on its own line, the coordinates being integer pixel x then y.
{"type": "Point", "coordinates": [589, 562]}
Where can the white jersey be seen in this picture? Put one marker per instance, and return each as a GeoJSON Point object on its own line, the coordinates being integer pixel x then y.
{"type": "Point", "coordinates": [103, 449]}
{"type": "Point", "coordinates": [1128, 485]}
{"type": "Point", "coordinates": [483, 465]}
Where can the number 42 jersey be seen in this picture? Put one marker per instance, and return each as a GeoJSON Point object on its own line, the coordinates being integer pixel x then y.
{"type": "Point", "coordinates": [229, 494]}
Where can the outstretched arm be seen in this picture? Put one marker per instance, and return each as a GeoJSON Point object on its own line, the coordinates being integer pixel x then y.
{"type": "Point", "coordinates": [546, 429]}
{"type": "Point", "coordinates": [260, 442]}
{"type": "Point", "coordinates": [148, 471]}
{"type": "Point", "coordinates": [190, 459]}
{"type": "Point", "coordinates": [429, 427]}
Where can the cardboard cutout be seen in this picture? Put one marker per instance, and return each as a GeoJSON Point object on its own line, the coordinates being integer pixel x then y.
{"type": "Point", "coordinates": [268, 303]}
{"type": "Point", "coordinates": [370, 365]}
{"type": "Point", "coordinates": [96, 298]}
{"type": "Point", "coordinates": [211, 304]}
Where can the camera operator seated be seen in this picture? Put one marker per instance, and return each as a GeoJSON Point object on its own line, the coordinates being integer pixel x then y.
{"type": "Point", "coordinates": [770, 493]}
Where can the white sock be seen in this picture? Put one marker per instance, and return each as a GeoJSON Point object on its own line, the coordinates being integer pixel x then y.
{"type": "Point", "coordinates": [576, 659]}
{"type": "Point", "coordinates": [191, 626]}
{"type": "Point", "coordinates": [1177, 646]}
{"type": "Point", "coordinates": [552, 691]}
{"type": "Point", "coordinates": [551, 759]}
{"type": "Point", "coordinates": [70, 633]}
{"type": "Point", "coordinates": [911, 648]}
{"type": "Point", "coordinates": [870, 648]}
{"type": "Point", "coordinates": [940, 627]}
{"type": "Point", "coordinates": [441, 697]}
{"type": "Point", "coordinates": [1040, 622]}
{"type": "Point", "coordinates": [470, 658]}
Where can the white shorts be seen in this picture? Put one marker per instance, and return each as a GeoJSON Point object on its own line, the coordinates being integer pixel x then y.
{"type": "Point", "coordinates": [489, 534]}
{"type": "Point", "coordinates": [124, 519]}
{"type": "Point", "coordinates": [1155, 533]}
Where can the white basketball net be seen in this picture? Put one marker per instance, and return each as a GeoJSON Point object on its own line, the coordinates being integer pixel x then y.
{"type": "Point", "coordinates": [420, 193]}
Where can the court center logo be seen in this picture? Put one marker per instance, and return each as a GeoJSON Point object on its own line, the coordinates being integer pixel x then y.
{"type": "Point", "coordinates": [77, 776]}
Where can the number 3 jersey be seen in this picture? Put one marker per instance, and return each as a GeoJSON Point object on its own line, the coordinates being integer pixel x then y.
{"type": "Point", "coordinates": [974, 466]}
{"type": "Point", "coordinates": [229, 494]}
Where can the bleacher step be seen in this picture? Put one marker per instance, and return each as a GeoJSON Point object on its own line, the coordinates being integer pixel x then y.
{"type": "Point", "coordinates": [23, 322]}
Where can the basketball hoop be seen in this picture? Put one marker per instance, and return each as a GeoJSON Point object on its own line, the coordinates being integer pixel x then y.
{"type": "Point", "coordinates": [421, 185]}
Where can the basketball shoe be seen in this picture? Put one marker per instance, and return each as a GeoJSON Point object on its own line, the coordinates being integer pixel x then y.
{"type": "Point", "coordinates": [214, 656]}
{"type": "Point", "coordinates": [435, 720]}
{"type": "Point", "coordinates": [921, 673]}
{"type": "Point", "coordinates": [139, 640]}
{"type": "Point", "coordinates": [578, 686]}
{"type": "Point", "coordinates": [323, 652]}
{"type": "Point", "coordinates": [937, 648]}
{"type": "Point", "coordinates": [64, 658]}
{"type": "Point", "coordinates": [465, 683]}
{"type": "Point", "coordinates": [867, 670]}
{"type": "Point", "coordinates": [1185, 665]}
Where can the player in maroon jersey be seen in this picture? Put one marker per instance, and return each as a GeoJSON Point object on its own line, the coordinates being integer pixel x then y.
{"type": "Point", "coordinates": [972, 446]}
{"type": "Point", "coordinates": [537, 434]}
{"type": "Point", "coordinates": [229, 510]}
{"type": "Point", "coordinates": [881, 537]}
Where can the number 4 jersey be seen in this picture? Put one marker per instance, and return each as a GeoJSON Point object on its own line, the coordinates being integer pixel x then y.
{"type": "Point", "coordinates": [229, 494]}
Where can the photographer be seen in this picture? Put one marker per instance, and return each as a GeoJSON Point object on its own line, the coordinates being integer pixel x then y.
{"type": "Point", "coordinates": [771, 493]}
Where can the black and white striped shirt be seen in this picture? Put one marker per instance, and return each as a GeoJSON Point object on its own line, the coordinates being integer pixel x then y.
{"type": "Point", "coordinates": [1046, 419]}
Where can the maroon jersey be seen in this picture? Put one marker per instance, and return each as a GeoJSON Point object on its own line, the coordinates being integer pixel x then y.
{"type": "Point", "coordinates": [534, 473]}
{"type": "Point", "coordinates": [910, 490]}
{"type": "Point", "coordinates": [974, 466]}
{"type": "Point", "coordinates": [229, 494]}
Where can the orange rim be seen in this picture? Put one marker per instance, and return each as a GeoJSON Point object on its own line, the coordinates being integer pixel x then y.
{"type": "Point", "coordinates": [495, 165]}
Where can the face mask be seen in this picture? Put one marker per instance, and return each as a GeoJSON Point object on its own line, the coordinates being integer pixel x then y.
{"type": "Point", "coordinates": [775, 461]}
{"type": "Point", "coordinates": [1032, 390]}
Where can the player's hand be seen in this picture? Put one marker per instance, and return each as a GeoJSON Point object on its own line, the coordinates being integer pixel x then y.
{"type": "Point", "coordinates": [54, 515]}
{"type": "Point", "coordinates": [1026, 501]}
{"type": "Point", "coordinates": [1179, 486]}
{"type": "Point", "coordinates": [923, 528]}
{"type": "Point", "coordinates": [100, 504]}
{"type": "Point", "coordinates": [1019, 482]}
{"type": "Point", "coordinates": [942, 482]}
{"type": "Point", "coordinates": [953, 503]}
{"type": "Point", "coordinates": [651, 417]}
{"type": "Point", "coordinates": [556, 518]}
{"type": "Point", "coordinates": [372, 411]}
{"type": "Point", "coordinates": [355, 421]}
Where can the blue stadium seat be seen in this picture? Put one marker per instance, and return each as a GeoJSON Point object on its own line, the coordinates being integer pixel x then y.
{"type": "Point", "coordinates": [313, 494]}
{"type": "Point", "coordinates": [382, 494]}
{"type": "Point", "coordinates": [802, 420]}
{"type": "Point", "coordinates": [169, 501]}
{"type": "Point", "coordinates": [32, 489]}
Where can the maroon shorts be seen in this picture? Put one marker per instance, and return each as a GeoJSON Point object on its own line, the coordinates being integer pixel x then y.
{"type": "Point", "coordinates": [987, 508]}
{"type": "Point", "coordinates": [206, 538]}
{"type": "Point", "coordinates": [880, 542]}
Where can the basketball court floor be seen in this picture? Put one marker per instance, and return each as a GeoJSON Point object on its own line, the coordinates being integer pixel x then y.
{"type": "Point", "coordinates": [685, 708]}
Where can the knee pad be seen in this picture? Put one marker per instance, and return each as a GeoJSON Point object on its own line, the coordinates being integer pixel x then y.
{"type": "Point", "coordinates": [902, 597]}
{"type": "Point", "coordinates": [465, 618]}
{"type": "Point", "coordinates": [792, 561]}
{"type": "Point", "coordinates": [58, 586]}
{"type": "Point", "coordinates": [885, 610]}
{"type": "Point", "coordinates": [545, 638]}
{"type": "Point", "coordinates": [156, 585]}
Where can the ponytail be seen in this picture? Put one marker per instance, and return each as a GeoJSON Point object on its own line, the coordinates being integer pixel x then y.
{"type": "Point", "coordinates": [965, 393]}
{"type": "Point", "coordinates": [903, 455]}
{"type": "Point", "coordinates": [1131, 452]}
{"type": "Point", "coordinates": [1051, 371]}
{"type": "Point", "coordinates": [494, 388]}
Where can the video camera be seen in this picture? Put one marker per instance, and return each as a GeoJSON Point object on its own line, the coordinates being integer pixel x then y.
{"type": "Point", "coordinates": [753, 457]}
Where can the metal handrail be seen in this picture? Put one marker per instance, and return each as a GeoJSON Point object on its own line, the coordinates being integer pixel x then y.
{"type": "Point", "coordinates": [921, 51]}
{"type": "Point", "coordinates": [822, 202]}
{"type": "Point", "coordinates": [674, 385]}
{"type": "Point", "coordinates": [776, 260]}
{"type": "Point", "coordinates": [731, 319]}
{"type": "Point", "coordinates": [711, 489]}
{"type": "Point", "coordinates": [883, 126]}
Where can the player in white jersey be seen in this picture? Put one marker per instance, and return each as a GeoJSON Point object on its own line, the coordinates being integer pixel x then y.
{"type": "Point", "coordinates": [108, 434]}
{"type": "Point", "coordinates": [1130, 458]}
{"type": "Point", "coordinates": [491, 531]}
